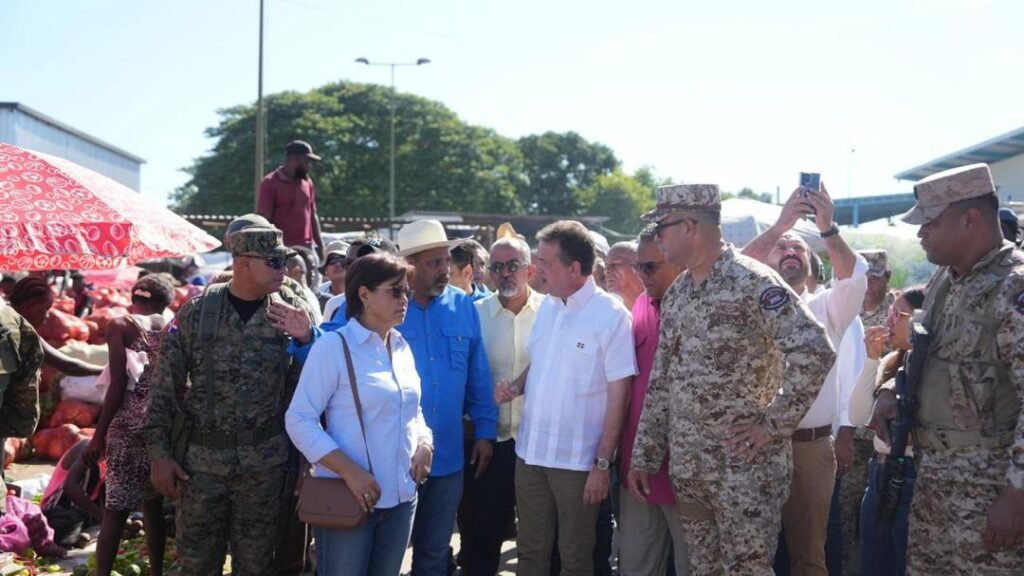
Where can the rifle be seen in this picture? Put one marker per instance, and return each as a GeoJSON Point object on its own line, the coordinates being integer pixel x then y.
{"type": "Point", "coordinates": [908, 382]}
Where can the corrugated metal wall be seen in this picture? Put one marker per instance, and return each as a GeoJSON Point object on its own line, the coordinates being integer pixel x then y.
{"type": "Point", "coordinates": [29, 132]}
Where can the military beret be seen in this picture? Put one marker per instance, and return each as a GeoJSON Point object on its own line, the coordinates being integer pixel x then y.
{"type": "Point", "coordinates": [933, 194]}
{"type": "Point", "coordinates": [698, 197]}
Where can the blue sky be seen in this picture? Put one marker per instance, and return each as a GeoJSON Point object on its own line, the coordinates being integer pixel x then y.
{"type": "Point", "coordinates": [741, 93]}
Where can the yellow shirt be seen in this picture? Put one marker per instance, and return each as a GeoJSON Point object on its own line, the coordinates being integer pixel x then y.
{"type": "Point", "coordinates": [505, 336]}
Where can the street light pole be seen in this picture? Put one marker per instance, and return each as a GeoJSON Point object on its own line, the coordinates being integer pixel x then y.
{"type": "Point", "coordinates": [260, 120]}
{"type": "Point", "coordinates": [392, 106]}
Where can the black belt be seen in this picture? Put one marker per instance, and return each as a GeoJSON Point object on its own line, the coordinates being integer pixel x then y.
{"type": "Point", "coordinates": [217, 439]}
{"type": "Point", "coordinates": [811, 434]}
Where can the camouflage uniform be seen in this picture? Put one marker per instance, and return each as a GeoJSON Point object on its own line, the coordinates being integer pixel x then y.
{"type": "Point", "coordinates": [21, 355]}
{"type": "Point", "coordinates": [877, 316]}
{"type": "Point", "coordinates": [238, 461]}
{"type": "Point", "coordinates": [970, 439]}
{"type": "Point", "coordinates": [720, 360]}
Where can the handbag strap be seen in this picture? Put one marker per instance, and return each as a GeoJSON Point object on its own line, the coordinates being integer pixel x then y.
{"type": "Point", "coordinates": [355, 398]}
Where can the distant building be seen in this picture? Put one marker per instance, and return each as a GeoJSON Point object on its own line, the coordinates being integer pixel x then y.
{"type": "Point", "coordinates": [1004, 155]}
{"type": "Point", "coordinates": [26, 128]}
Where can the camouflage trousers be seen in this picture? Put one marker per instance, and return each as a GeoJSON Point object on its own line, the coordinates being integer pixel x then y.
{"type": "Point", "coordinates": [731, 525]}
{"type": "Point", "coordinates": [947, 521]}
{"type": "Point", "coordinates": [240, 509]}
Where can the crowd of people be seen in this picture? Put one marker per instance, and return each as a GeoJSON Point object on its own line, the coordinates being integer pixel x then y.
{"type": "Point", "coordinates": [669, 405]}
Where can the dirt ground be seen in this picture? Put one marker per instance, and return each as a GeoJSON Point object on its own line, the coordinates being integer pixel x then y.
{"type": "Point", "coordinates": [76, 557]}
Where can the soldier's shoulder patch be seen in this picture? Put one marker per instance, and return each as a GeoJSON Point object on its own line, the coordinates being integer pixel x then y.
{"type": "Point", "coordinates": [1018, 302]}
{"type": "Point", "coordinates": [774, 297]}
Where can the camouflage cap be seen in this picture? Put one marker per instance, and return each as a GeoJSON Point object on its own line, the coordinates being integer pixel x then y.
{"type": "Point", "coordinates": [259, 241]}
{"type": "Point", "coordinates": [699, 197]}
{"type": "Point", "coordinates": [933, 194]}
{"type": "Point", "coordinates": [878, 261]}
{"type": "Point", "coordinates": [247, 221]}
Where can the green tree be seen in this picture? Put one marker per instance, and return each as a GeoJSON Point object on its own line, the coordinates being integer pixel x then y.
{"type": "Point", "coordinates": [558, 167]}
{"type": "Point", "coordinates": [441, 162]}
{"type": "Point", "coordinates": [623, 198]}
{"type": "Point", "coordinates": [765, 197]}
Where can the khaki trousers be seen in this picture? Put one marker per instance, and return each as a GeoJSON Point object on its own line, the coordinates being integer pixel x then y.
{"type": "Point", "coordinates": [647, 534]}
{"type": "Point", "coordinates": [805, 514]}
{"type": "Point", "coordinates": [546, 498]}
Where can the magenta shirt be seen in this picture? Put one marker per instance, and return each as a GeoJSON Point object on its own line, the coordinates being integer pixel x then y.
{"type": "Point", "coordinates": [290, 205]}
{"type": "Point", "coordinates": [646, 321]}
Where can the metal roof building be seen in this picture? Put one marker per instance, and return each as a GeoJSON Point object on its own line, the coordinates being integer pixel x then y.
{"type": "Point", "coordinates": [1004, 155]}
{"type": "Point", "coordinates": [28, 128]}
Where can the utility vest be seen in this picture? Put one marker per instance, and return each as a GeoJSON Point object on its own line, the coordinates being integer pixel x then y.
{"type": "Point", "coordinates": [967, 396]}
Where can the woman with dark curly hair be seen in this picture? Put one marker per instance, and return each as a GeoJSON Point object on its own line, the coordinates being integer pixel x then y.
{"type": "Point", "coordinates": [134, 341]}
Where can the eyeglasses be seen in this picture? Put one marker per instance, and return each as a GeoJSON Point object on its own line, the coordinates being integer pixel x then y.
{"type": "Point", "coordinates": [512, 266]}
{"type": "Point", "coordinates": [275, 262]}
{"type": "Point", "coordinates": [661, 226]}
{"type": "Point", "coordinates": [645, 268]}
{"type": "Point", "coordinates": [895, 314]}
{"type": "Point", "coordinates": [397, 292]}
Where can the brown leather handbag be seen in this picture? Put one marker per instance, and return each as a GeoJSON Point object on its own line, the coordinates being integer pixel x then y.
{"type": "Point", "coordinates": [329, 503]}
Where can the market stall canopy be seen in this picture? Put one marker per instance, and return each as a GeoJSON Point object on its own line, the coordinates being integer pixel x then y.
{"type": "Point", "coordinates": [55, 214]}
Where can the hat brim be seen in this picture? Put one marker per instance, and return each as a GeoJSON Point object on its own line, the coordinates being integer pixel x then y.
{"type": "Point", "coordinates": [657, 214]}
{"type": "Point", "coordinates": [416, 249]}
{"type": "Point", "coordinates": [312, 156]}
{"type": "Point", "coordinates": [919, 215]}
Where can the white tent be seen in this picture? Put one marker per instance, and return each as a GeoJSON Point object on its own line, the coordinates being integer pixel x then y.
{"type": "Point", "coordinates": [743, 219]}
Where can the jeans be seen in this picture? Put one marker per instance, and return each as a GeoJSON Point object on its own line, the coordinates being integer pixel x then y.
{"type": "Point", "coordinates": [432, 531]}
{"type": "Point", "coordinates": [881, 553]}
{"type": "Point", "coordinates": [375, 549]}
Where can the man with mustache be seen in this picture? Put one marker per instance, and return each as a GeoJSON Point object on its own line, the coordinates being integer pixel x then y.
{"type": "Point", "coordinates": [805, 514]}
{"type": "Point", "coordinates": [287, 198]}
{"type": "Point", "coordinates": [506, 318]}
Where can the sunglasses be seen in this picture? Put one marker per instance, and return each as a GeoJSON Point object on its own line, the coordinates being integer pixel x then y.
{"type": "Point", "coordinates": [661, 226]}
{"type": "Point", "coordinates": [895, 314]}
{"type": "Point", "coordinates": [339, 260]}
{"type": "Point", "coordinates": [275, 262]}
{"type": "Point", "coordinates": [512, 266]}
{"type": "Point", "coordinates": [645, 268]}
{"type": "Point", "coordinates": [397, 292]}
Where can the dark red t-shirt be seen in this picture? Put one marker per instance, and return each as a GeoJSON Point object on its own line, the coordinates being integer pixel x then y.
{"type": "Point", "coordinates": [289, 205]}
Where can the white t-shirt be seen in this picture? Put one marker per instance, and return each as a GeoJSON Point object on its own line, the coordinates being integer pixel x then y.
{"type": "Point", "coordinates": [576, 348]}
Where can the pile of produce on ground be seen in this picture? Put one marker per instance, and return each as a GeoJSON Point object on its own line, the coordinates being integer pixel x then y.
{"type": "Point", "coordinates": [69, 413]}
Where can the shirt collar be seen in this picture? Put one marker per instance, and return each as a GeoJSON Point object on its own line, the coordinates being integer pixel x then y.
{"type": "Point", "coordinates": [580, 298]}
{"type": "Point", "coordinates": [986, 260]}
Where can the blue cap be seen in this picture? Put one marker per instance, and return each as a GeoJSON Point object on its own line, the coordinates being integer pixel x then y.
{"type": "Point", "coordinates": [1007, 215]}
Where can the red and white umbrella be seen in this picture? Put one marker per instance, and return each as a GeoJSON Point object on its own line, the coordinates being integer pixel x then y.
{"type": "Point", "coordinates": [55, 214]}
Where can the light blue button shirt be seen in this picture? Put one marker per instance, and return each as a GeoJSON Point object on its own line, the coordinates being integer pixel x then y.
{"type": "Point", "coordinates": [389, 390]}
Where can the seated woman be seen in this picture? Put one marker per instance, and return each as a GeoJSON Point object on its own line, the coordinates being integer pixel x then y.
{"type": "Point", "coordinates": [383, 466]}
{"type": "Point", "coordinates": [884, 555]}
{"type": "Point", "coordinates": [73, 499]}
{"type": "Point", "coordinates": [32, 298]}
{"type": "Point", "coordinates": [131, 339]}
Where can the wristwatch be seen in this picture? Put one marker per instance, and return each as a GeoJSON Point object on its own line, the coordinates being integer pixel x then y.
{"type": "Point", "coordinates": [602, 464]}
{"type": "Point", "coordinates": [832, 231]}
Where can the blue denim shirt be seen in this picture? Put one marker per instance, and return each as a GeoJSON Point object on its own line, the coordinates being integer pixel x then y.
{"type": "Point", "coordinates": [454, 374]}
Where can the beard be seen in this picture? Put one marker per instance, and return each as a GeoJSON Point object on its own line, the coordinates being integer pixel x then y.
{"type": "Point", "coordinates": [301, 173]}
{"type": "Point", "coordinates": [508, 289]}
{"type": "Point", "coordinates": [793, 275]}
